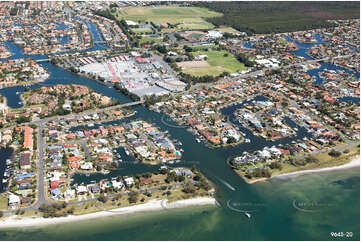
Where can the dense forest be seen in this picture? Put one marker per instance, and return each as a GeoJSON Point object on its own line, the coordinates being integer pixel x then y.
{"type": "Point", "coordinates": [269, 17]}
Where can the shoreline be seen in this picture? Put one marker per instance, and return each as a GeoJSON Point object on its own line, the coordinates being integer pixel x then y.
{"type": "Point", "coordinates": [152, 205]}
{"type": "Point", "coordinates": [353, 163]}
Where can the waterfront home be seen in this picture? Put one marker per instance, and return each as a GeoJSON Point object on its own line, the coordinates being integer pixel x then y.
{"type": "Point", "coordinates": [117, 184]}
{"type": "Point", "coordinates": [56, 194]}
{"type": "Point", "coordinates": [14, 201]}
{"type": "Point", "coordinates": [24, 184]}
{"type": "Point", "coordinates": [26, 200]}
{"type": "Point", "coordinates": [128, 181]}
{"type": "Point", "coordinates": [95, 189]}
{"type": "Point", "coordinates": [81, 190]}
{"type": "Point", "coordinates": [69, 194]}
{"type": "Point", "coordinates": [25, 160]}
{"type": "Point", "coordinates": [144, 181]}
{"type": "Point", "coordinates": [182, 172]}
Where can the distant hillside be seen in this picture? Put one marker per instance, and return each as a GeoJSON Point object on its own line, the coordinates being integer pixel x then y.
{"type": "Point", "coordinates": [268, 17]}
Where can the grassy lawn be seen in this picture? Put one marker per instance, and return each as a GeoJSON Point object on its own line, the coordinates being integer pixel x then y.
{"type": "Point", "coordinates": [227, 30]}
{"type": "Point", "coordinates": [218, 64]}
{"type": "Point", "coordinates": [203, 47]}
{"type": "Point", "coordinates": [3, 202]}
{"type": "Point", "coordinates": [96, 206]}
{"type": "Point", "coordinates": [188, 17]}
{"type": "Point", "coordinates": [324, 161]}
{"type": "Point", "coordinates": [142, 30]}
{"type": "Point", "coordinates": [197, 25]}
{"type": "Point", "coordinates": [150, 40]}
{"type": "Point", "coordinates": [169, 11]}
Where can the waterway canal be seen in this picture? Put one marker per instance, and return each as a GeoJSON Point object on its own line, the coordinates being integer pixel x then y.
{"type": "Point", "coordinates": [274, 216]}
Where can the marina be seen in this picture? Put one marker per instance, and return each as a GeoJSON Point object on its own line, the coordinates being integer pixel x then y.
{"type": "Point", "coordinates": [275, 217]}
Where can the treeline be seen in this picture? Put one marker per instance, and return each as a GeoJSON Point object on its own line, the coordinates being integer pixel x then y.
{"type": "Point", "coordinates": [187, 78]}
{"type": "Point", "coordinates": [126, 92]}
{"type": "Point", "coordinates": [268, 17]}
{"type": "Point", "coordinates": [243, 58]}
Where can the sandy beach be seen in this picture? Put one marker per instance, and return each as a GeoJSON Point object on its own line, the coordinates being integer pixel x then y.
{"type": "Point", "coordinates": [153, 205]}
{"type": "Point", "coordinates": [354, 163]}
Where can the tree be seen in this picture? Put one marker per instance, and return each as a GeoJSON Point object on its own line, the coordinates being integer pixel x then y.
{"type": "Point", "coordinates": [102, 198]}
{"type": "Point", "coordinates": [334, 153]}
{"type": "Point", "coordinates": [133, 197]}
{"type": "Point", "coordinates": [189, 188]}
{"type": "Point", "coordinates": [147, 175]}
{"type": "Point", "coordinates": [187, 48]}
{"type": "Point", "coordinates": [71, 210]}
{"type": "Point", "coordinates": [276, 165]}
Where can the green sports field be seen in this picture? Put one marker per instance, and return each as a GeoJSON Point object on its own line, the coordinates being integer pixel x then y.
{"type": "Point", "coordinates": [194, 35]}
{"type": "Point", "coordinates": [187, 17]}
{"type": "Point", "coordinates": [218, 64]}
{"type": "Point", "coordinates": [142, 30]}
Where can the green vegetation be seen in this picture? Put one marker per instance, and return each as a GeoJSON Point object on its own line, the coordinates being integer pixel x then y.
{"type": "Point", "coordinates": [149, 40]}
{"type": "Point", "coordinates": [218, 62]}
{"type": "Point", "coordinates": [186, 18]}
{"type": "Point", "coordinates": [227, 30]}
{"type": "Point", "coordinates": [320, 161]}
{"type": "Point", "coordinates": [323, 160]}
{"type": "Point", "coordinates": [53, 210]}
{"type": "Point", "coordinates": [268, 17]}
{"type": "Point", "coordinates": [142, 30]}
{"type": "Point", "coordinates": [3, 202]}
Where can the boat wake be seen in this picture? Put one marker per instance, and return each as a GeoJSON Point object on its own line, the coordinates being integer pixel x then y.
{"type": "Point", "coordinates": [226, 184]}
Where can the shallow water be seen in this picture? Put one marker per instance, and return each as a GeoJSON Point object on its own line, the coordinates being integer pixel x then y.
{"type": "Point", "coordinates": [275, 218]}
{"type": "Point", "coordinates": [327, 202]}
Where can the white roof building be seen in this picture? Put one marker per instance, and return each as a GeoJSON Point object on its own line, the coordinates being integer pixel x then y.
{"type": "Point", "coordinates": [69, 194]}
{"type": "Point", "coordinates": [131, 23]}
{"type": "Point", "coordinates": [129, 181]}
{"type": "Point", "coordinates": [116, 184]}
{"type": "Point", "coordinates": [265, 154]}
{"type": "Point", "coordinates": [81, 189]}
{"type": "Point", "coordinates": [14, 200]}
{"type": "Point", "coordinates": [214, 35]}
{"type": "Point", "coordinates": [87, 166]}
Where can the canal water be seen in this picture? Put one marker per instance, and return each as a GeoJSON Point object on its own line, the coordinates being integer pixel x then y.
{"type": "Point", "coordinates": [308, 207]}
{"type": "Point", "coordinates": [5, 153]}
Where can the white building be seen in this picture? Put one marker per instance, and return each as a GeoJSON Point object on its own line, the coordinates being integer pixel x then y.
{"type": "Point", "coordinates": [14, 201]}
{"type": "Point", "coordinates": [129, 181]}
{"type": "Point", "coordinates": [69, 194]}
{"type": "Point", "coordinates": [214, 35]}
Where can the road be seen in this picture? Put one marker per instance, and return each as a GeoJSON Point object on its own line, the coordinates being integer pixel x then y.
{"type": "Point", "coordinates": [40, 166]}
{"type": "Point", "coordinates": [261, 72]}
{"type": "Point", "coordinates": [76, 115]}
{"type": "Point", "coordinates": [41, 196]}
{"type": "Point", "coordinates": [340, 148]}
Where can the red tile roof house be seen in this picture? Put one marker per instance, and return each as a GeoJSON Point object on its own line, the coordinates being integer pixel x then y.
{"type": "Point", "coordinates": [145, 181]}
{"type": "Point", "coordinates": [54, 184]}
